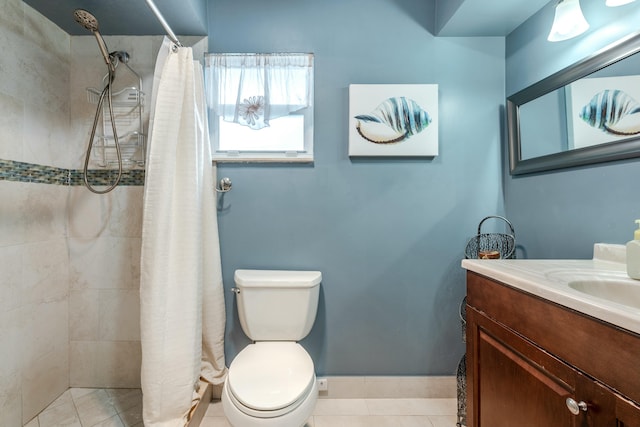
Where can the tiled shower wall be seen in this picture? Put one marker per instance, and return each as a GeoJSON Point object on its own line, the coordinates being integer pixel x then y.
{"type": "Point", "coordinates": [69, 259]}
{"type": "Point", "coordinates": [104, 233]}
{"type": "Point", "coordinates": [34, 259]}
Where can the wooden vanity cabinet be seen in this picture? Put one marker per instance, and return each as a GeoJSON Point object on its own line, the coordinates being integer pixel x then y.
{"type": "Point", "coordinates": [526, 356]}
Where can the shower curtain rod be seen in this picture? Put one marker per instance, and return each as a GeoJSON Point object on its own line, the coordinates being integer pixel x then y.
{"type": "Point", "coordinates": [166, 26]}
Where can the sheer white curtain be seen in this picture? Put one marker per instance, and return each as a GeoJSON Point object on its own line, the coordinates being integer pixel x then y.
{"type": "Point", "coordinates": [251, 89]}
{"type": "Point", "coordinates": [182, 313]}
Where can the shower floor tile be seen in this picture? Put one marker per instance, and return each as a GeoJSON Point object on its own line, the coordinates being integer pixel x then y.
{"type": "Point", "coordinates": [93, 407]}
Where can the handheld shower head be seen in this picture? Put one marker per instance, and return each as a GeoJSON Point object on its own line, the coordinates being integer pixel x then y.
{"type": "Point", "coordinates": [88, 21]}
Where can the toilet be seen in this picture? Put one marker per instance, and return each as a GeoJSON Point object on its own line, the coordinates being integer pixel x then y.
{"type": "Point", "coordinates": [272, 382]}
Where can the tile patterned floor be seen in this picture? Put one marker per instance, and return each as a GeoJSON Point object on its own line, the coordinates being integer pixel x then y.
{"type": "Point", "coordinates": [88, 407]}
{"type": "Point", "coordinates": [366, 413]}
{"type": "Point", "coordinates": [123, 408]}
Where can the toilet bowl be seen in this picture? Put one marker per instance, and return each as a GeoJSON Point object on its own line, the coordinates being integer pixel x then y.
{"type": "Point", "coordinates": [272, 382]}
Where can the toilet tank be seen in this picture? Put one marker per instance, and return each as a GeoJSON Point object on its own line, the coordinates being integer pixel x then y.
{"type": "Point", "coordinates": [277, 305]}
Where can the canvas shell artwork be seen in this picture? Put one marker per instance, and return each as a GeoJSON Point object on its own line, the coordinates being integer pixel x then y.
{"type": "Point", "coordinates": [613, 111]}
{"type": "Point", "coordinates": [393, 120]}
{"type": "Point", "coordinates": [602, 110]}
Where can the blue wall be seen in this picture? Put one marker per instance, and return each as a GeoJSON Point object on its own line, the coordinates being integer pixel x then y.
{"type": "Point", "coordinates": [561, 214]}
{"type": "Point", "coordinates": [388, 234]}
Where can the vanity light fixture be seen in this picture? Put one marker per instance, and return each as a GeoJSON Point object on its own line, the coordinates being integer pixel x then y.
{"type": "Point", "coordinates": [568, 22]}
{"type": "Point", "coordinates": [614, 3]}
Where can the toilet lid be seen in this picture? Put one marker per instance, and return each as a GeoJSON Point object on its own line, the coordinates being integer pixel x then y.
{"type": "Point", "coordinates": [267, 376]}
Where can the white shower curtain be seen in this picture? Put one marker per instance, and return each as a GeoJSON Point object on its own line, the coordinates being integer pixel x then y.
{"type": "Point", "coordinates": [182, 315]}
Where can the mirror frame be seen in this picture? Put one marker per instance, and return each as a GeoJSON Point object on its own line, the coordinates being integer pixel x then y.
{"type": "Point", "coordinates": [619, 150]}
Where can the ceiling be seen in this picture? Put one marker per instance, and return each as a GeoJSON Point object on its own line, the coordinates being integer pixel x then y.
{"type": "Point", "coordinates": [188, 17]}
{"type": "Point", "coordinates": [475, 18]}
{"type": "Point", "coordinates": [127, 17]}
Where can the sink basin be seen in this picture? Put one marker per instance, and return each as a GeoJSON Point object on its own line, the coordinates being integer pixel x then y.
{"type": "Point", "coordinates": [619, 291]}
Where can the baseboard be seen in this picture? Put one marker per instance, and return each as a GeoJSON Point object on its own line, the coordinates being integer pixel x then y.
{"type": "Point", "coordinates": [387, 387]}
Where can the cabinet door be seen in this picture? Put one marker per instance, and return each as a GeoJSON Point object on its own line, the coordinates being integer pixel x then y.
{"type": "Point", "coordinates": [512, 382]}
{"type": "Point", "coordinates": [627, 413]}
{"type": "Point", "coordinates": [599, 403]}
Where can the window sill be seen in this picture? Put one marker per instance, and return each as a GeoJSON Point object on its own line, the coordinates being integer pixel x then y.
{"type": "Point", "coordinates": [262, 158]}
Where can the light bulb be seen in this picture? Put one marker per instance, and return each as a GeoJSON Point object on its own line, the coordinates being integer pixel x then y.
{"type": "Point", "coordinates": [568, 21]}
{"type": "Point", "coordinates": [614, 3]}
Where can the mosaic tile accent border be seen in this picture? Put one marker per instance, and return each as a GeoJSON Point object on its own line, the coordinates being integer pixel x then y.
{"type": "Point", "coordinates": [11, 170]}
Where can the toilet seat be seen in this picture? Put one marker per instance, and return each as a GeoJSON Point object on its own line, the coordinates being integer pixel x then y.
{"type": "Point", "coordinates": [269, 379]}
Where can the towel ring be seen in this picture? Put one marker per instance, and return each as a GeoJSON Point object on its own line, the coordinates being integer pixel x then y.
{"type": "Point", "coordinates": [224, 185]}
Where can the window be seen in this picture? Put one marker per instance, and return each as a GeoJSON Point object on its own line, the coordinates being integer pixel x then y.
{"type": "Point", "coordinates": [260, 106]}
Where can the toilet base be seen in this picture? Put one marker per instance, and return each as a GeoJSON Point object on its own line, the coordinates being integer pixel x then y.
{"type": "Point", "coordinates": [296, 418]}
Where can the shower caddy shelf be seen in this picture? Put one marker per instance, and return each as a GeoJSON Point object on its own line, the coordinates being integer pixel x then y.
{"type": "Point", "coordinates": [128, 106]}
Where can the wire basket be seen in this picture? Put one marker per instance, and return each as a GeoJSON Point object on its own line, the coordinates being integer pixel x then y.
{"type": "Point", "coordinates": [492, 245]}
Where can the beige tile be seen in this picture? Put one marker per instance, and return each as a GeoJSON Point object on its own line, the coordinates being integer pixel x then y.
{"type": "Point", "coordinates": [60, 415]}
{"type": "Point", "coordinates": [48, 36]}
{"type": "Point", "coordinates": [125, 398]}
{"type": "Point", "coordinates": [132, 416]}
{"type": "Point", "coordinates": [78, 392]}
{"type": "Point", "coordinates": [13, 224]}
{"type": "Point", "coordinates": [410, 387]}
{"type": "Point", "coordinates": [11, 279]}
{"type": "Point", "coordinates": [411, 406]}
{"type": "Point", "coordinates": [45, 380]}
{"type": "Point", "coordinates": [46, 331]}
{"type": "Point", "coordinates": [33, 423]}
{"type": "Point", "coordinates": [371, 421]}
{"type": "Point", "coordinates": [12, 36]}
{"type": "Point", "coordinates": [114, 421]}
{"type": "Point", "coordinates": [443, 420]}
{"type": "Point", "coordinates": [215, 409]}
{"type": "Point", "coordinates": [125, 218]}
{"type": "Point", "coordinates": [64, 399]}
{"type": "Point", "coordinates": [43, 143]}
{"type": "Point", "coordinates": [214, 422]}
{"type": "Point", "coordinates": [345, 388]}
{"type": "Point", "coordinates": [119, 363]}
{"type": "Point", "coordinates": [89, 213]}
{"type": "Point", "coordinates": [45, 272]}
{"type": "Point", "coordinates": [45, 212]}
{"type": "Point", "coordinates": [94, 407]}
{"type": "Point", "coordinates": [12, 16]}
{"type": "Point", "coordinates": [11, 400]}
{"type": "Point", "coordinates": [83, 367]}
{"type": "Point", "coordinates": [84, 306]}
{"type": "Point", "coordinates": [12, 343]}
{"type": "Point", "coordinates": [119, 315]}
{"type": "Point", "coordinates": [341, 407]}
{"type": "Point", "coordinates": [45, 73]}
{"type": "Point", "coordinates": [114, 261]}
{"type": "Point", "coordinates": [11, 129]}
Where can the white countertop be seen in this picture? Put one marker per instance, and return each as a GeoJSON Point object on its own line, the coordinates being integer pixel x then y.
{"type": "Point", "coordinates": [549, 279]}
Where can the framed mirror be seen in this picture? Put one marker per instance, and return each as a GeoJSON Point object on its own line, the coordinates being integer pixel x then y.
{"type": "Point", "coordinates": [586, 113]}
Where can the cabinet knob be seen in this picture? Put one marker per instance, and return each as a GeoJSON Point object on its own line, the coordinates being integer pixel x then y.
{"type": "Point", "coordinates": [575, 407]}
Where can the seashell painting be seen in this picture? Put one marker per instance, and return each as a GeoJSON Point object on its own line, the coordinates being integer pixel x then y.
{"type": "Point", "coordinates": [393, 120]}
{"type": "Point", "coordinates": [601, 110]}
{"type": "Point", "coordinates": [613, 111]}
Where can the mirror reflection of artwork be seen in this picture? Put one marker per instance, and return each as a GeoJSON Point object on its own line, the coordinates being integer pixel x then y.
{"type": "Point", "coordinates": [602, 110]}
{"type": "Point", "coordinates": [393, 120]}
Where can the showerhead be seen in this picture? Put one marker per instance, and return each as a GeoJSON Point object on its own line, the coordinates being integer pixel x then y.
{"type": "Point", "coordinates": [88, 21]}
